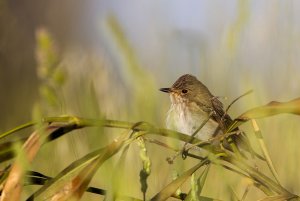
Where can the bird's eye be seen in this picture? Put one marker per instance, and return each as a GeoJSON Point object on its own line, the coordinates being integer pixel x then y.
{"type": "Point", "coordinates": [184, 91]}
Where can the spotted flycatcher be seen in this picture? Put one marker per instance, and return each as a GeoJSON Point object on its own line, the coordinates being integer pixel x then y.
{"type": "Point", "coordinates": [191, 105]}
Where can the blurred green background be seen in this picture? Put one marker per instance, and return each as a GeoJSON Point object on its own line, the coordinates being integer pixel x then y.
{"type": "Point", "coordinates": [108, 58]}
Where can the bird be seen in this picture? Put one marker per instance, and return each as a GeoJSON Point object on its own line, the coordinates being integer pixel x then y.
{"type": "Point", "coordinates": [192, 104]}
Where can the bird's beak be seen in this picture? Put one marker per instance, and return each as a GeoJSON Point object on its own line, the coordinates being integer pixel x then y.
{"type": "Point", "coordinates": [166, 90]}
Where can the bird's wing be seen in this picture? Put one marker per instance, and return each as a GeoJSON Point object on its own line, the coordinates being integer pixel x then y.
{"type": "Point", "coordinates": [225, 122]}
{"type": "Point", "coordinates": [219, 114]}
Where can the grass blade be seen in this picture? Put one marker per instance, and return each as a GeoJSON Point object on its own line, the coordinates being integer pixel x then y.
{"type": "Point", "coordinates": [264, 150]}
{"type": "Point", "coordinates": [16, 129]}
{"type": "Point", "coordinates": [174, 185]}
{"type": "Point", "coordinates": [14, 182]}
{"type": "Point", "coordinates": [76, 176]}
{"type": "Point", "coordinates": [272, 108]}
{"type": "Point", "coordinates": [279, 198]}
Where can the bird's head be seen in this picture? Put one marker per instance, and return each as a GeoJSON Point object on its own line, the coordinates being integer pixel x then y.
{"type": "Point", "coordinates": [187, 88]}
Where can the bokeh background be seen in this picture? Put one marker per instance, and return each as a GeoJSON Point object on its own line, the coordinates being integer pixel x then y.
{"type": "Point", "coordinates": [108, 58]}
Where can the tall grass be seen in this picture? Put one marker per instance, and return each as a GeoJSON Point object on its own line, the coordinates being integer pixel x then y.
{"type": "Point", "coordinates": [127, 161]}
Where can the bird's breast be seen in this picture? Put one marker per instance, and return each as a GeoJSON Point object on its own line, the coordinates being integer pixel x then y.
{"type": "Point", "coordinates": [187, 118]}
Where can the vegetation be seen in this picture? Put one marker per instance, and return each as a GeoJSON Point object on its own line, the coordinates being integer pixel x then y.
{"type": "Point", "coordinates": [66, 156]}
